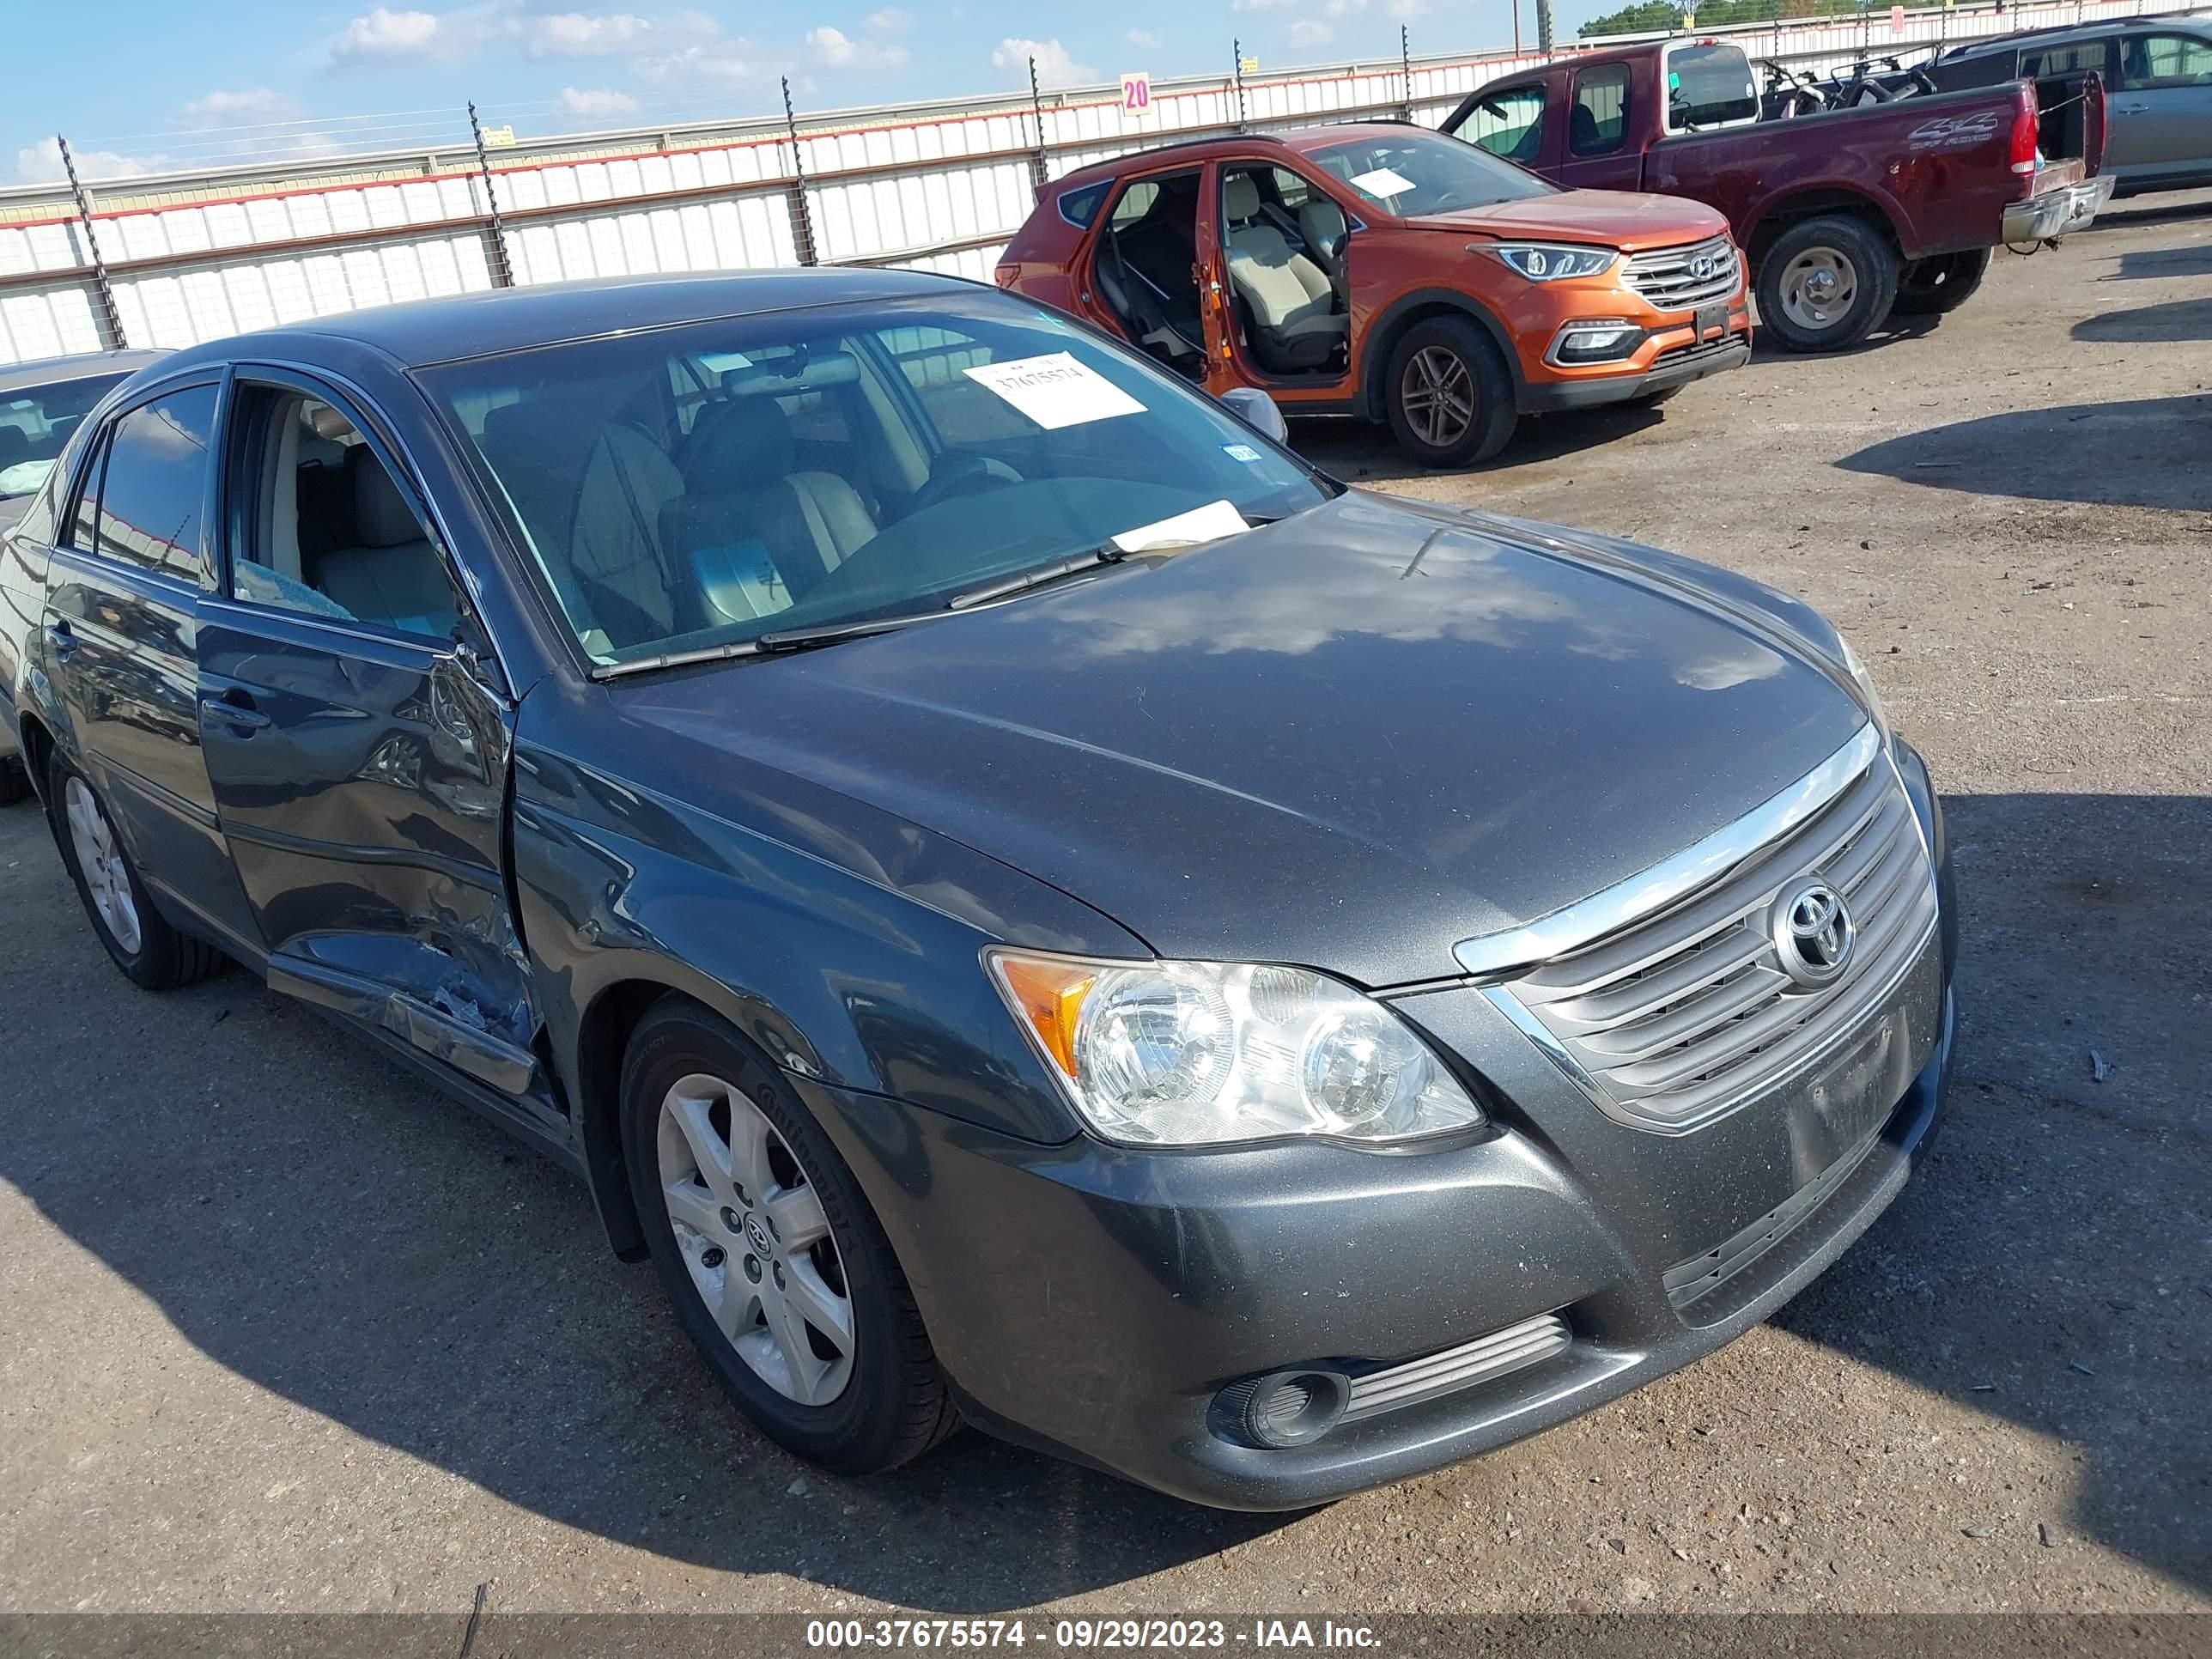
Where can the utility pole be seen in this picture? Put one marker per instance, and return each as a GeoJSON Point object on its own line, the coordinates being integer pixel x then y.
{"type": "Point", "coordinates": [1238, 48]}
{"type": "Point", "coordinates": [108, 313]}
{"type": "Point", "coordinates": [1039, 175]}
{"type": "Point", "coordinates": [1544, 27]}
{"type": "Point", "coordinates": [502, 268]}
{"type": "Point", "coordinates": [1406, 68]}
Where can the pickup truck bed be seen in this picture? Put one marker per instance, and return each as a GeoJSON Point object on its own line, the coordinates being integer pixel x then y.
{"type": "Point", "coordinates": [1843, 215]}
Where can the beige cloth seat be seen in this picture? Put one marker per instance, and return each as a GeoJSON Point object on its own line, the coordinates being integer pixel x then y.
{"type": "Point", "coordinates": [1289, 302]}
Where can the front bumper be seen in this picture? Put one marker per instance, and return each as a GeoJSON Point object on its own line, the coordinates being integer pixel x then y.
{"type": "Point", "coordinates": [1675, 366]}
{"type": "Point", "coordinates": [1094, 1301]}
{"type": "Point", "coordinates": [2056, 212]}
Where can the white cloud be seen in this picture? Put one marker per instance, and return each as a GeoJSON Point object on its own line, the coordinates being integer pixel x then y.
{"type": "Point", "coordinates": [384, 34]}
{"type": "Point", "coordinates": [1144, 37]}
{"type": "Point", "coordinates": [41, 164]}
{"type": "Point", "coordinates": [1055, 66]}
{"type": "Point", "coordinates": [834, 48]}
{"type": "Point", "coordinates": [580, 34]}
{"type": "Point", "coordinates": [596, 103]}
{"type": "Point", "coordinates": [721, 63]}
{"type": "Point", "coordinates": [888, 20]}
{"type": "Point", "coordinates": [1309, 31]}
{"type": "Point", "coordinates": [256, 107]}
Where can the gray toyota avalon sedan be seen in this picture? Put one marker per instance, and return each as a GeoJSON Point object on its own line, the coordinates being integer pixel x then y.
{"type": "Point", "coordinates": [1029, 904]}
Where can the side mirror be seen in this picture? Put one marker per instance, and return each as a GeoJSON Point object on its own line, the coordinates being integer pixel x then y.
{"type": "Point", "coordinates": [1257, 411]}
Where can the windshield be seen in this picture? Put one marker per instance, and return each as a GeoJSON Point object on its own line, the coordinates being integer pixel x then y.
{"type": "Point", "coordinates": [698, 487]}
{"type": "Point", "coordinates": [35, 422]}
{"type": "Point", "coordinates": [1709, 86]}
{"type": "Point", "coordinates": [1412, 173]}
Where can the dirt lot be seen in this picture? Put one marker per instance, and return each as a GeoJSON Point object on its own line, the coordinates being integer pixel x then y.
{"type": "Point", "coordinates": [280, 1331]}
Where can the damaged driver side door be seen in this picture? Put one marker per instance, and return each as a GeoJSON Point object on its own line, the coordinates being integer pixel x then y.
{"type": "Point", "coordinates": [358, 738]}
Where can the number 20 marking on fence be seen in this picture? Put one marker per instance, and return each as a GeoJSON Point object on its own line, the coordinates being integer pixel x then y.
{"type": "Point", "coordinates": [1136, 94]}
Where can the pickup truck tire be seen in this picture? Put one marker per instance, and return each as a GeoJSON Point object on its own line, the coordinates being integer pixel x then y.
{"type": "Point", "coordinates": [1827, 284]}
{"type": "Point", "coordinates": [152, 955]}
{"type": "Point", "coordinates": [1448, 394]}
{"type": "Point", "coordinates": [1940, 283]}
{"type": "Point", "coordinates": [778, 1269]}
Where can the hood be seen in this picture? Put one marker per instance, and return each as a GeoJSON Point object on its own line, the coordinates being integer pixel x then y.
{"type": "Point", "coordinates": [1348, 740]}
{"type": "Point", "coordinates": [1621, 219]}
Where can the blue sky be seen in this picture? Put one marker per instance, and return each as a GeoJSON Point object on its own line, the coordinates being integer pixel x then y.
{"type": "Point", "coordinates": [174, 85]}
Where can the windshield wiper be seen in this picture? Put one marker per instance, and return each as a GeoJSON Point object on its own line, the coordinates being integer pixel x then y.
{"type": "Point", "coordinates": [766, 645]}
{"type": "Point", "coordinates": [1105, 554]}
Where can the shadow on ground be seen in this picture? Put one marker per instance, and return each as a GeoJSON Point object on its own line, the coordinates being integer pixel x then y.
{"type": "Point", "coordinates": [2175, 321]}
{"type": "Point", "coordinates": [1360, 453]}
{"type": "Point", "coordinates": [328, 1231]}
{"type": "Point", "coordinates": [2145, 452]}
{"type": "Point", "coordinates": [2189, 260]}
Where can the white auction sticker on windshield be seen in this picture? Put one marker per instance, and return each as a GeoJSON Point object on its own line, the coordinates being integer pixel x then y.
{"type": "Point", "coordinates": [1383, 181]}
{"type": "Point", "coordinates": [1055, 391]}
{"type": "Point", "coordinates": [1209, 523]}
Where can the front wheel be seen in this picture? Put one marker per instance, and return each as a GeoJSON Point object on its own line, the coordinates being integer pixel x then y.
{"type": "Point", "coordinates": [1827, 284]}
{"type": "Point", "coordinates": [1448, 394]}
{"type": "Point", "coordinates": [1940, 283]}
{"type": "Point", "coordinates": [778, 1268]}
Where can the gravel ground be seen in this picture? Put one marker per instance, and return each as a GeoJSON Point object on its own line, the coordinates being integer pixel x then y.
{"type": "Point", "coordinates": [281, 1332]}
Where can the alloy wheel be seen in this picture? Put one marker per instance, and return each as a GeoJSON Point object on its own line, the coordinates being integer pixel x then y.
{"type": "Point", "coordinates": [752, 1232]}
{"type": "Point", "coordinates": [1437, 394]}
{"type": "Point", "coordinates": [1819, 287]}
{"type": "Point", "coordinates": [100, 856]}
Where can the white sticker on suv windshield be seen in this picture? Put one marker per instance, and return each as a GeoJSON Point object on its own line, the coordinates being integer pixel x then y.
{"type": "Point", "coordinates": [1243, 453]}
{"type": "Point", "coordinates": [1209, 523]}
{"type": "Point", "coordinates": [1383, 181]}
{"type": "Point", "coordinates": [1055, 391]}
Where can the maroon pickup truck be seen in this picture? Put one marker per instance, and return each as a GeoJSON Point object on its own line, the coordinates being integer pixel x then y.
{"type": "Point", "coordinates": [1845, 215]}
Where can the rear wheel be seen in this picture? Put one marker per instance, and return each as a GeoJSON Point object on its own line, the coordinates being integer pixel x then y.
{"type": "Point", "coordinates": [1448, 394]}
{"type": "Point", "coordinates": [1826, 284]}
{"type": "Point", "coordinates": [778, 1268]}
{"type": "Point", "coordinates": [1940, 283]}
{"type": "Point", "coordinates": [153, 955]}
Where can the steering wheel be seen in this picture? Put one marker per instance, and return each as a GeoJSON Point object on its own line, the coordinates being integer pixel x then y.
{"type": "Point", "coordinates": [963, 475]}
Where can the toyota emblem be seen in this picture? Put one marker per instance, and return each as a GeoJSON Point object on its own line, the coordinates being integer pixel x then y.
{"type": "Point", "coordinates": [1813, 934]}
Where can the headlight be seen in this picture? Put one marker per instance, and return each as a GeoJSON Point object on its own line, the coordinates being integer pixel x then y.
{"type": "Point", "coordinates": [1858, 671]}
{"type": "Point", "coordinates": [1544, 262]}
{"type": "Point", "coordinates": [1197, 1053]}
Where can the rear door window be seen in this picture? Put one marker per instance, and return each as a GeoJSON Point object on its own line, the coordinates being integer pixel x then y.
{"type": "Point", "coordinates": [154, 490]}
{"type": "Point", "coordinates": [1598, 123]}
{"type": "Point", "coordinates": [2065, 59]}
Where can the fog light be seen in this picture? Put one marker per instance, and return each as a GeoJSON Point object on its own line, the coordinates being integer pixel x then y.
{"type": "Point", "coordinates": [1285, 1408]}
{"type": "Point", "coordinates": [1606, 341]}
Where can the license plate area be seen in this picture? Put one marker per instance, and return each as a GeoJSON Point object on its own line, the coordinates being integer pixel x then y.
{"type": "Point", "coordinates": [1712, 322]}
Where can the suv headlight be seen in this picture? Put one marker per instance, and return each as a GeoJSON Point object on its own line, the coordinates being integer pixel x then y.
{"type": "Point", "coordinates": [1546, 262]}
{"type": "Point", "coordinates": [1858, 671]}
{"type": "Point", "coordinates": [1199, 1054]}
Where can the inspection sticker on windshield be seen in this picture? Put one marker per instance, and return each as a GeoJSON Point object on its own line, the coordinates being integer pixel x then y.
{"type": "Point", "coordinates": [1383, 181]}
{"type": "Point", "coordinates": [1243, 453]}
{"type": "Point", "coordinates": [1055, 391]}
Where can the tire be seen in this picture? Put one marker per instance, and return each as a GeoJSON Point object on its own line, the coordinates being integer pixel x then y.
{"type": "Point", "coordinates": [690, 1087]}
{"type": "Point", "coordinates": [1941, 282]}
{"type": "Point", "coordinates": [1806, 314]}
{"type": "Point", "coordinates": [1448, 355]}
{"type": "Point", "coordinates": [15, 780]}
{"type": "Point", "coordinates": [152, 955]}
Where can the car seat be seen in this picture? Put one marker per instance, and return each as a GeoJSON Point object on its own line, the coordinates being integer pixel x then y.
{"type": "Point", "coordinates": [1288, 300]}
{"type": "Point", "coordinates": [1584, 137]}
{"type": "Point", "coordinates": [393, 574]}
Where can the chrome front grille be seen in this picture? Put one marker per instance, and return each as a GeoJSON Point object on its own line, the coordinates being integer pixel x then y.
{"type": "Point", "coordinates": [1514, 1348]}
{"type": "Point", "coordinates": [1676, 1019]}
{"type": "Point", "coordinates": [1668, 280]}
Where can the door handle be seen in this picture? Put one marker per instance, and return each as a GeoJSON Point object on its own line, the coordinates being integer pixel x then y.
{"type": "Point", "coordinates": [2131, 109]}
{"type": "Point", "coordinates": [63, 638]}
{"type": "Point", "coordinates": [235, 708]}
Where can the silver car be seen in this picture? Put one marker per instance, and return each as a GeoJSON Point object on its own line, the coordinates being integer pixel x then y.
{"type": "Point", "coordinates": [2158, 83]}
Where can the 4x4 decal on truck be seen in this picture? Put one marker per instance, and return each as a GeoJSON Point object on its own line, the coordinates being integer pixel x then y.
{"type": "Point", "coordinates": [1954, 131]}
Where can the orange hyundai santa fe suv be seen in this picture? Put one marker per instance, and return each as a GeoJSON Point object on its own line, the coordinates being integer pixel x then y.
{"type": "Point", "coordinates": [1390, 272]}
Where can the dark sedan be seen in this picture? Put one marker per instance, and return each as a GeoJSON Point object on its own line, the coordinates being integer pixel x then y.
{"type": "Point", "coordinates": [1028, 903]}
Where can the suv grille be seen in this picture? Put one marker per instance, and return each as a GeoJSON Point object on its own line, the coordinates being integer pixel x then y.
{"type": "Point", "coordinates": [1667, 280]}
{"type": "Point", "coordinates": [1679, 1018]}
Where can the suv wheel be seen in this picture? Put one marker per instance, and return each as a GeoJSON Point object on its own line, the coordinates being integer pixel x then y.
{"type": "Point", "coordinates": [1940, 283]}
{"type": "Point", "coordinates": [1826, 284]}
{"type": "Point", "coordinates": [778, 1268]}
{"type": "Point", "coordinates": [155, 955]}
{"type": "Point", "coordinates": [1449, 397]}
